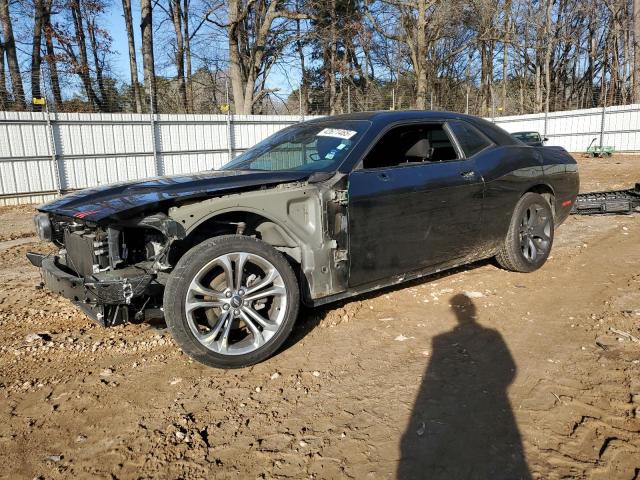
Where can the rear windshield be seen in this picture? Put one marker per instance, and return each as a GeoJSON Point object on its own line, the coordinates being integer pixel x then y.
{"type": "Point", "coordinates": [313, 147]}
{"type": "Point", "coordinates": [527, 136]}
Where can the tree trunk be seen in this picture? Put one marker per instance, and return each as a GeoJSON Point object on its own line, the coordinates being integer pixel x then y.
{"type": "Point", "coordinates": [3, 78]}
{"type": "Point", "coordinates": [12, 57]}
{"type": "Point", "coordinates": [36, 57]}
{"type": "Point", "coordinates": [133, 62]}
{"type": "Point", "coordinates": [235, 64]}
{"type": "Point", "coordinates": [82, 67]}
{"type": "Point", "coordinates": [505, 53]}
{"type": "Point", "coordinates": [176, 17]}
{"type": "Point", "coordinates": [105, 102]}
{"type": "Point", "coordinates": [187, 54]}
{"type": "Point", "coordinates": [302, 91]}
{"type": "Point", "coordinates": [420, 60]}
{"type": "Point", "coordinates": [332, 62]}
{"type": "Point", "coordinates": [146, 27]}
{"type": "Point", "coordinates": [590, 75]}
{"type": "Point", "coordinates": [547, 56]}
{"type": "Point", "coordinates": [51, 56]}
{"type": "Point", "coordinates": [636, 52]}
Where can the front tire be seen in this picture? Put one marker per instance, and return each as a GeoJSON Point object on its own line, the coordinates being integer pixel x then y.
{"type": "Point", "coordinates": [231, 301]}
{"type": "Point", "coordinates": [530, 236]}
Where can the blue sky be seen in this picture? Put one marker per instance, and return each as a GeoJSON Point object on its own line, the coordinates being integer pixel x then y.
{"type": "Point", "coordinates": [114, 23]}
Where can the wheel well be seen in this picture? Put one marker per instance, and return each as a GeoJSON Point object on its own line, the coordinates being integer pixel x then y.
{"type": "Point", "coordinates": [547, 193]}
{"type": "Point", "coordinates": [239, 223]}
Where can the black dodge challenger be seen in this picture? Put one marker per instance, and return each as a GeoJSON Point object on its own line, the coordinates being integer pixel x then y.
{"type": "Point", "coordinates": [320, 211]}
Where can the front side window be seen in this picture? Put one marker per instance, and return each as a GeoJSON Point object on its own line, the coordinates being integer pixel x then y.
{"type": "Point", "coordinates": [470, 139]}
{"type": "Point", "coordinates": [315, 147]}
{"type": "Point", "coordinates": [411, 144]}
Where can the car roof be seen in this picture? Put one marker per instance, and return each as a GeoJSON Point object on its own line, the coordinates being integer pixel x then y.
{"type": "Point", "coordinates": [390, 116]}
{"type": "Point", "coordinates": [382, 118]}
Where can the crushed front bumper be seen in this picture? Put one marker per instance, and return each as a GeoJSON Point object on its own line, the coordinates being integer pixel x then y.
{"type": "Point", "coordinates": [106, 297]}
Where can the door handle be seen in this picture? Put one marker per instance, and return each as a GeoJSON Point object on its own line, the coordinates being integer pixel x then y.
{"type": "Point", "coordinates": [383, 176]}
{"type": "Point", "coordinates": [469, 175]}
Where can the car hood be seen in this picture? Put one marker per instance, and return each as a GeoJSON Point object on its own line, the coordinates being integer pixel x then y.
{"type": "Point", "coordinates": [120, 200]}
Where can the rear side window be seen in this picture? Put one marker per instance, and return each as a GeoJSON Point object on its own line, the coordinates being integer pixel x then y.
{"type": "Point", "coordinates": [470, 139]}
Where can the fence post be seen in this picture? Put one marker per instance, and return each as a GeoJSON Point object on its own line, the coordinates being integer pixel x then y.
{"type": "Point", "coordinates": [55, 155]}
{"type": "Point", "coordinates": [154, 136]}
{"type": "Point", "coordinates": [603, 117]}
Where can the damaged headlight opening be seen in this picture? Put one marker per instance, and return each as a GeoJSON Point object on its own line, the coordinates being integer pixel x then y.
{"type": "Point", "coordinates": [43, 226]}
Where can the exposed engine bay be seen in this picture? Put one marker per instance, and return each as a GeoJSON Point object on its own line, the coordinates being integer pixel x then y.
{"type": "Point", "coordinates": [114, 272]}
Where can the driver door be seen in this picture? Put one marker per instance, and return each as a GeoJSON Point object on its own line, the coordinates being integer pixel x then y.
{"type": "Point", "coordinates": [406, 214]}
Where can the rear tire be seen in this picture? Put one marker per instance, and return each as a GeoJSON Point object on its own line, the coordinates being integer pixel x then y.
{"type": "Point", "coordinates": [231, 301]}
{"type": "Point", "coordinates": [530, 236]}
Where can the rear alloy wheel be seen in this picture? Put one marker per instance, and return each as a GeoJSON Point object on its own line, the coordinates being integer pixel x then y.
{"type": "Point", "coordinates": [530, 235]}
{"type": "Point", "coordinates": [231, 301]}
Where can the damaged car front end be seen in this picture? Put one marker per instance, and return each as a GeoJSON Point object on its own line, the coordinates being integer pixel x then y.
{"type": "Point", "coordinates": [113, 272]}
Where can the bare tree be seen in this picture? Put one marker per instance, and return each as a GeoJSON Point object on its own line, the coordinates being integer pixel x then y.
{"type": "Point", "coordinates": [12, 57]}
{"type": "Point", "coordinates": [636, 51]}
{"type": "Point", "coordinates": [50, 53]}
{"type": "Point", "coordinates": [175, 12]}
{"type": "Point", "coordinates": [80, 60]}
{"type": "Point", "coordinates": [146, 26]}
{"type": "Point", "coordinates": [36, 56]}
{"type": "Point", "coordinates": [187, 54]}
{"type": "Point", "coordinates": [3, 78]}
{"type": "Point", "coordinates": [133, 62]}
{"type": "Point", "coordinates": [253, 47]}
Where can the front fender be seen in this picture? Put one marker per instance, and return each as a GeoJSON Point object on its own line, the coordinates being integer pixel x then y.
{"type": "Point", "coordinates": [297, 215]}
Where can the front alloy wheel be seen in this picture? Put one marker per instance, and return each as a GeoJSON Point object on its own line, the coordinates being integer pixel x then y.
{"type": "Point", "coordinates": [231, 301]}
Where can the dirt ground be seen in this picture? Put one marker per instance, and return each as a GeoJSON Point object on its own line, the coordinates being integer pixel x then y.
{"type": "Point", "coordinates": [476, 373]}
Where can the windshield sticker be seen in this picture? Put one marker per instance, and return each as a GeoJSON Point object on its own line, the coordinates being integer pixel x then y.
{"type": "Point", "coordinates": [341, 146]}
{"type": "Point", "coordinates": [330, 155]}
{"type": "Point", "coordinates": [336, 133]}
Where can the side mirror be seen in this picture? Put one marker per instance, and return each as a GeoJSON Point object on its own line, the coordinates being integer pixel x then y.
{"type": "Point", "coordinates": [545, 139]}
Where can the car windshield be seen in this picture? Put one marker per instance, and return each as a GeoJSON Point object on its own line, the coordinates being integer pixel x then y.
{"type": "Point", "coordinates": [314, 147]}
{"type": "Point", "coordinates": [527, 136]}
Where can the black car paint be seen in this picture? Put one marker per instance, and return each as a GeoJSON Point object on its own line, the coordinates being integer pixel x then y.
{"type": "Point", "coordinates": [401, 219]}
{"type": "Point", "coordinates": [409, 217]}
{"type": "Point", "coordinates": [124, 200]}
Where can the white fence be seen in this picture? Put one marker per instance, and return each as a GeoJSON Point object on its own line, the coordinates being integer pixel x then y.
{"type": "Point", "coordinates": [575, 129]}
{"type": "Point", "coordinates": [43, 154]}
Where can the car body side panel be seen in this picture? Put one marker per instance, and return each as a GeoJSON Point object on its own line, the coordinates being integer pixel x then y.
{"type": "Point", "coordinates": [299, 209]}
{"type": "Point", "coordinates": [508, 172]}
{"type": "Point", "coordinates": [561, 172]}
{"type": "Point", "coordinates": [406, 218]}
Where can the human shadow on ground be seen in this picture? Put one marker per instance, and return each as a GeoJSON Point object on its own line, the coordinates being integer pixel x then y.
{"type": "Point", "coordinates": [462, 425]}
